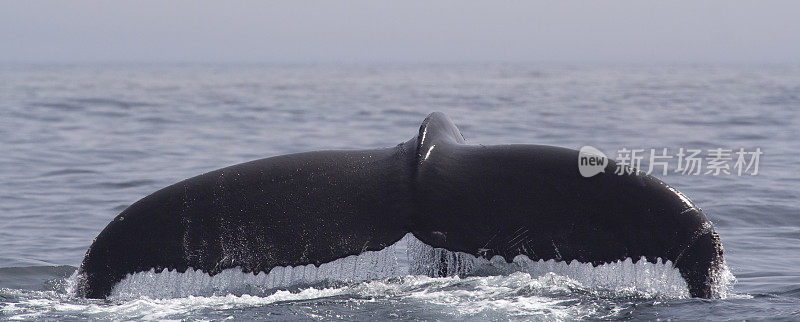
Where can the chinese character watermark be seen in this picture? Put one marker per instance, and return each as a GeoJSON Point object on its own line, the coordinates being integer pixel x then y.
{"type": "Point", "coordinates": [715, 162]}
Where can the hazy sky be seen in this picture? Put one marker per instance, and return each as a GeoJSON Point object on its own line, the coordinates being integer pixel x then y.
{"type": "Point", "coordinates": [403, 30]}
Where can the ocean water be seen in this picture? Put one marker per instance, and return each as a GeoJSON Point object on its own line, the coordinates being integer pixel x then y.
{"type": "Point", "coordinates": [79, 143]}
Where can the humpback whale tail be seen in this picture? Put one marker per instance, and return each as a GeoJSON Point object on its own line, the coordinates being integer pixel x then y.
{"type": "Point", "coordinates": [316, 207]}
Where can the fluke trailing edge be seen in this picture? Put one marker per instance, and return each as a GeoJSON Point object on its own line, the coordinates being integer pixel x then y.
{"type": "Point", "coordinates": [316, 207]}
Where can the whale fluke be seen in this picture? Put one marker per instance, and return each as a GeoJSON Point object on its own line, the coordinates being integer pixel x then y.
{"type": "Point", "coordinates": [316, 207]}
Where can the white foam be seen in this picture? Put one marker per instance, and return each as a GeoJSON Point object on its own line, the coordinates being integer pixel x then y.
{"type": "Point", "coordinates": [522, 289]}
{"type": "Point", "coordinates": [145, 308]}
{"type": "Point", "coordinates": [409, 256]}
{"type": "Point", "coordinates": [722, 283]}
